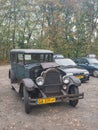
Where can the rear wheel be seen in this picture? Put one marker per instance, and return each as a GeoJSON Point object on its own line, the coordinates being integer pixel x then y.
{"type": "Point", "coordinates": [26, 101]}
{"type": "Point", "coordinates": [95, 73]}
{"type": "Point", "coordinates": [12, 76]}
{"type": "Point", "coordinates": [73, 90]}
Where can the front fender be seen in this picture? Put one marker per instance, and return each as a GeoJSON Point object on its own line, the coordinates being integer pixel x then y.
{"type": "Point", "coordinates": [74, 81]}
{"type": "Point", "coordinates": [28, 84]}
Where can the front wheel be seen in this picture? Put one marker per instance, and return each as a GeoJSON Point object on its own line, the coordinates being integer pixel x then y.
{"type": "Point", "coordinates": [26, 101]}
{"type": "Point", "coordinates": [95, 73]}
{"type": "Point", "coordinates": [73, 90]}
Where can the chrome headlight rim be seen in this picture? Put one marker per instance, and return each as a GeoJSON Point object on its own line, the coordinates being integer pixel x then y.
{"type": "Point", "coordinates": [66, 80]}
{"type": "Point", "coordinates": [40, 81]}
{"type": "Point", "coordinates": [64, 86]}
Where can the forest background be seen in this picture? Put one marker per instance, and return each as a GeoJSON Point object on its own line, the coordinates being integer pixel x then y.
{"type": "Point", "coordinates": [68, 27]}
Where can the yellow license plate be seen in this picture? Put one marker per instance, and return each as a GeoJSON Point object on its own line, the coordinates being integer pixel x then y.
{"type": "Point", "coordinates": [46, 100]}
{"type": "Point", "coordinates": [80, 76]}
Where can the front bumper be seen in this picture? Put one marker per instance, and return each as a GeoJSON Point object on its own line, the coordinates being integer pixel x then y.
{"type": "Point", "coordinates": [83, 78]}
{"type": "Point", "coordinates": [60, 98]}
{"type": "Point", "coordinates": [86, 78]}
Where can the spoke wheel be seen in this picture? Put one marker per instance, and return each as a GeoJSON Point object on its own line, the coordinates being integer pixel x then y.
{"type": "Point", "coordinates": [74, 90]}
{"type": "Point", "coordinates": [26, 101]}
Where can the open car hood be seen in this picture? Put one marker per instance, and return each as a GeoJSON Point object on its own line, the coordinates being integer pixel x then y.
{"type": "Point", "coordinates": [49, 65]}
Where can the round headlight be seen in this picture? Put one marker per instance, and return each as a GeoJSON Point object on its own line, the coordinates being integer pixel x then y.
{"type": "Point", "coordinates": [86, 72]}
{"type": "Point", "coordinates": [64, 87]}
{"type": "Point", "coordinates": [40, 81]}
{"type": "Point", "coordinates": [65, 79]}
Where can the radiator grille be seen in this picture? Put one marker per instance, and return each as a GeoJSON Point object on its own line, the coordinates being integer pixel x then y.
{"type": "Point", "coordinates": [52, 82]}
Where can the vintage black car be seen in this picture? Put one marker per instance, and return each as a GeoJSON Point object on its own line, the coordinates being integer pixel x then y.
{"type": "Point", "coordinates": [70, 68]}
{"type": "Point", "coordinates": [38, 79]}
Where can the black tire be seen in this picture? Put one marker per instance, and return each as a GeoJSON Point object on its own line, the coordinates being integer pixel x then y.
{"type": "Point", "coordinates": [95, 73]}
{"type": "Point", "coordinates": [12, 87]}
{"type": "Point", "coordinates": [12, 76]}
{"type": "Point", "coordinates": [73, 90]}
{"type": "Point", "coordinates": [26, 101]}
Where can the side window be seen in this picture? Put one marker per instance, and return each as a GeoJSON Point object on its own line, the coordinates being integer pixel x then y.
{"type": "Point", "coordinates": [35, 58]}
{"type": "Point", "coordinates": [27, 58]}
{"type": "Point", "coordinates": [81, 61]}
{"type": "Point", "coordinates": [77, 61]}
{"type": "Point", "coordinates": [20, 58]}
{"type": "Point", "coordinates": [84, 61]}
{"type": "Point", "coordinates": [14, 58]}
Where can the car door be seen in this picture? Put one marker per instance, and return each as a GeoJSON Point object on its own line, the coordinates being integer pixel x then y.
{"type": "Point", "coordinates": [13, 57]}
{"type": "Point", "coordinates": [83, 63]}
{"type": "Point", "coordinates": [20, 67]}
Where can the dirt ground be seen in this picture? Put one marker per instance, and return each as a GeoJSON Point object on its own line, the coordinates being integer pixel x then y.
{"type": "Point", "coordinates": [58, 116]}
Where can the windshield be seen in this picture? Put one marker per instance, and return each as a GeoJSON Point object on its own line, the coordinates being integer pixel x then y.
{"type": "Point", "coordinates": [38, 58]}
{"type": "Point", "coordinates": [93, 61]}
{"type": "Point", "coordinates": [65, 62]}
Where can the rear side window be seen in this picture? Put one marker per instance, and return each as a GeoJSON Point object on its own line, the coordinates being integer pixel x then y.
{"type": "Point", "coordinates": [14, 58]}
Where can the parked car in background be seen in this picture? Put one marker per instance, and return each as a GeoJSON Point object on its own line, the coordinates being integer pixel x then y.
{"type": "Point", "coordinates": [91, 56]}
{"type": "Point", "coordinates": [38, 79]}
{"type": "Point", "coordinates": [58, 56]}
{"type": "Point", "coordinates": [70, 68]}
{"type": "Point", "coordinates": [90, 64]}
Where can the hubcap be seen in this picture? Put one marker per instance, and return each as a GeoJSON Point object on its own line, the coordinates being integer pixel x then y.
{"type": "Point", "coordinates": [95, 73]}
